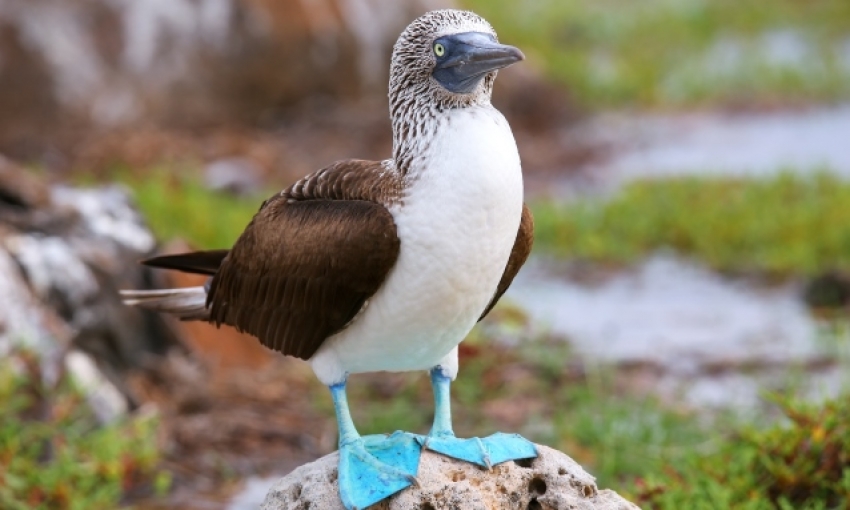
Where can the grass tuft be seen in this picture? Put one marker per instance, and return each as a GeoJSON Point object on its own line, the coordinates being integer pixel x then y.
{"type": "Point", "coordinates": [802, 464]}
{"type": "Point", "coordinates": [178, 205]}
{"type": "Point", "coordinates": [53, 454]}
{"type": "Point", "coordinates": [783, 225]}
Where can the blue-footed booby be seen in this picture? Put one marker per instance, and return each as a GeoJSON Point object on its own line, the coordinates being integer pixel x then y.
{"type": "Point", "coordinates": [386, 265]}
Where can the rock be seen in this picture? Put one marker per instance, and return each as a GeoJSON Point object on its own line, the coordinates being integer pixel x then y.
{"type": "Point", "coordinates": [552, 481]}
{"type": "Point", "coordinates": [120, 62]}
{"type": "Point", "coordinates": [64, 253]}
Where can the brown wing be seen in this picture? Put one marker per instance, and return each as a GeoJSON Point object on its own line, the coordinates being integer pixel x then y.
{"type": "Point", "coordinates": [519, 254]}
{"type": "Point", "coordinates": [306, 264]}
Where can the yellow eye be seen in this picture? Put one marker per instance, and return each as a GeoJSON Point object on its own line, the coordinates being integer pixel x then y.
{"type": "Point", "coordinates": [439, 50]}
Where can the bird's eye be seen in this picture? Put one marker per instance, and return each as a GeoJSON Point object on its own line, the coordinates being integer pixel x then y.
{"type": "Point", "coordinates": [439, 50]}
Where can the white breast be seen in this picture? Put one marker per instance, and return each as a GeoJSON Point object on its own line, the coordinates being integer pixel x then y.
{"type": "Point", "coordinates": [457, 225]}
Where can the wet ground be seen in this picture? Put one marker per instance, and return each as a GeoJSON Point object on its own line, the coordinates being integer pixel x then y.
{"type": "Point", "coordinates": [702, 338]}
{"type": "Point", "coordinates": [711, 340]}
{"type": "Point", "coordinates": [711, 143]}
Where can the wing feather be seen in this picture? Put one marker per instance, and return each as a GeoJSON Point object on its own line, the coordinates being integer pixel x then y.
{"type": "Point", "coordinates": [303, 269]}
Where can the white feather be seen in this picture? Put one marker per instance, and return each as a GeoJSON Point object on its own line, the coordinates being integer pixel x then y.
{"type": "Point", "coordinates": [457, 224]}
{"type": "Point", "coordinates": [186, 303]}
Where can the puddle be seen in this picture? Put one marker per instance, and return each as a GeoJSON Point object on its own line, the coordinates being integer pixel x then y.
{"type": "Point", "coordinates": [755, 144]}
{"type": "Point", "coordinates": [710, 340]}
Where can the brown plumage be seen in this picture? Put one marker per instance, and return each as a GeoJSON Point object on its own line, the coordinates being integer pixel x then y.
{"type": "Point", "coordinates": [311, 257]}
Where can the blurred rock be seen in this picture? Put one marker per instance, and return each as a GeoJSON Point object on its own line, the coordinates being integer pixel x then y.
{"type": "Point", "coordinates": [830, 290]}
{"type": "Point", "coordinates": [552, 481]}
{"type": "Point", "coordinates": [69, 64]}
{"type": "Point", "coordinates": [239, 176]}
{"type": "Point", "coordinates": [64, 252]}
{"type": "Point", "coordinates": [288, 85]}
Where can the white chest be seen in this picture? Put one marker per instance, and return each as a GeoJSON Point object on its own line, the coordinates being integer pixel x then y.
{"type": "Point", "coordinates": [457, 225]}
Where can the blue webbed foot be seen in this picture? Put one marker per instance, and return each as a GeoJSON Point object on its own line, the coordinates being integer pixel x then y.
{"type": "Point", "coordinates": [486, 452]}
{"type": "Point", "coordinates": [373, 468]}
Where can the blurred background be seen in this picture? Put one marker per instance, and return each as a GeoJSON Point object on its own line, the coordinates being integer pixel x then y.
{"type": "Point", "coordinates": [680, 330]}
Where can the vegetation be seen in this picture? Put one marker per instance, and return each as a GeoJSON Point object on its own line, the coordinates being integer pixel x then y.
{"type": "Point", "coordinates": [53, 455]}
{"type": "Point", "coordinates": [179, 205]}
{"type": "Point", "coordinates": [683, 52]}
{"type": "Point", "coordinates": [804, 464]}
{"type": "Point", "coordinates": [783, 225]}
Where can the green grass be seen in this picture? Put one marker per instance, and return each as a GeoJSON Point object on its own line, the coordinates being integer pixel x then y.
{"type": "Point", "coordinates": [177, 205]}
{"type": "Point", "coordinates": [801, 464]}
{"type": "Point", "coordinates": [782, 225]}
{"type": "Point", "coordinates": [676, 52]}
{"type": "Point", "coordinates": [53, 455]}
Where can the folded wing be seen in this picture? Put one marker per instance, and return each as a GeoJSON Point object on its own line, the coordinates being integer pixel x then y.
{"type": "Point", "coordinates": [302, 271]}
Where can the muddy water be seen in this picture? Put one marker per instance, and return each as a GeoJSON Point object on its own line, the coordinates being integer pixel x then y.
{"type": "Point", "coordinates": [709, 340]}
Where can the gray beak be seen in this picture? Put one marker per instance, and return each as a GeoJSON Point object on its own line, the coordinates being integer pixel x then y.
{"type": "Point", "coordinates": [468, 57]}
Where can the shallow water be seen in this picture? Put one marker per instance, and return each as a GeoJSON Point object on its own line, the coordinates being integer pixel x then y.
{"type": "Point", "coordinates": [753, 144]}
{"type": "Point", "coordinates": [710, 340]}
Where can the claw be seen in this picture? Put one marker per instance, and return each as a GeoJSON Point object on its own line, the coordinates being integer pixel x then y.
{"type": "Point", "coordinates": [413, 481]}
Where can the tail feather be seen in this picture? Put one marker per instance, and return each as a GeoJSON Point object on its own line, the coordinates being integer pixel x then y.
{"type": "Point", "coordinates": [199, 262]}
{"type": "Point", "coordinates": [187, 303]}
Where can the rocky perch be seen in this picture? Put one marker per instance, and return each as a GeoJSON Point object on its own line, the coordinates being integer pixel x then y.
{"type": "Point", "coordinates": [552, 481]}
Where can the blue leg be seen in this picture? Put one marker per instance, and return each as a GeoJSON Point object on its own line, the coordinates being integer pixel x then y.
{"type": "Point", "coordinates": [486, 452]}
{"type": "Point", "coordinates": [371, 468]}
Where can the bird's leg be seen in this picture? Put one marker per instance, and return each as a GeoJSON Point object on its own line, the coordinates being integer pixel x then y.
{"type": "Point", "coordinates": [441, 385]}
{"type": "Point", "coordinates": [485, 452]}
{"type": "Point", "coordinates": [371, 468]}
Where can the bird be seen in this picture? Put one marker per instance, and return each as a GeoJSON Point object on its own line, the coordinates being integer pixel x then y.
{"type": "Point", "coordinates": [370, 266]}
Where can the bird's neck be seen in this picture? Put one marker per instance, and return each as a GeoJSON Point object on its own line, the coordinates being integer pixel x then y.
{"type": "Point", "coordinates": [416, 119]}
{"type": "Point", "coordinates": [414, 123]}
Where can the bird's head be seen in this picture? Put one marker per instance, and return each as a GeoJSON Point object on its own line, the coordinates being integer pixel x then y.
{"type": "Point", "coordinates": [449, 59]}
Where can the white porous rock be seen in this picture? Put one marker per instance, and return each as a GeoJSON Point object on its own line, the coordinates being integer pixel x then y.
{"type": "Point", "coordinates": [552, 481]}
